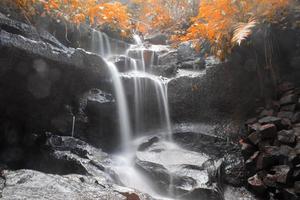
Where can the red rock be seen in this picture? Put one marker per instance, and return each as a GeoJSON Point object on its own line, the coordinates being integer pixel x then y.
{"type": "Point", "coordinates": [268, 131]}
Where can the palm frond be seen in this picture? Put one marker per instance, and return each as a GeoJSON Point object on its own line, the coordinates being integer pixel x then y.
{"type": "Point", "coordinates": [242, 31]}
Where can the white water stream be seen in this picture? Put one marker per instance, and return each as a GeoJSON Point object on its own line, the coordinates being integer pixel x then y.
{"type": "Point", "coordinates": [124, 163]}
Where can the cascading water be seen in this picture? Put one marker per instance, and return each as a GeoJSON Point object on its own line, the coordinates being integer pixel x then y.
{"type": "Point", "coordinates": [122, 108]}
{"type": "Point", "coordinates": [124, 162]}
{"type": "Point", "coordinates": [100, 43]}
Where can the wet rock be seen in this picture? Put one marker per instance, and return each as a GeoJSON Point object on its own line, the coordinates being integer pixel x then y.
{"type": "Point", "coordinates": [270, 180]}
{"type": "Point", "coordinates": [203, 193]}
{"type": "Point", "coordinates": [268, 131]}
{"type": "Point", "coordinates": [158, 39]}
{"type": "Point", "coordinates": [248, 150]}
{"type": "Point", "coordinates": [253, 127]}
{"type": "Point", "coordinates": [187, 52]}
{"type": "Point", "coordinates": [190, 172]}
{"type": "Point", "coordinates": [131, 196]}
{"type": "Point", "coordinates": [297, 187]}
{"type": "Point", "coordinates": [286, 86]}
{"type": "Point", "coordinates": [233, 193]}
{"type": "Point", "coordinates": [251, 121]}
{"type": "Point", "coordinates": [285, 124]}
{"type": "Point", "coordinates": [28, 184]}
{"type": "Point", "coordinates": [123, 63]}
{"type": "Point", "coordinates": [286, 136]}
{"type": "Point", "coordinates": [288, 194]}
{"type": "Point", "coordinates": [158, 173]}
{"type": "Point", "coordinates": [296, 117]}
{"type": "Point", "coordinates": [288, 99]}
{"type": "Point", "coordinates": [94, 100]}
{"type": "Point", "coordinates": [164, 70]}
{"type": "Point", "coordinates": [266, 112]}
{"type": "Point", "coordinates": [250, 164]}
{"type": "Point", "coordinates": [257, 185]}
{"type": "Point", "coordinates": [197, 64]}
{"type": "Point", "coordinates": [283, 173]}
{"type": "Point", "coordinates": [147, 144]}
{"type": "Point", "coordinates": [233, 172]}
{"type": "Point", "coordinates": [289, 108]}
{"type": "Point", "coordinates": [285, 114]}
{"type": "Point", "coordinates": [167, 58]}
{"type": "Point", "coordinates": [150, 57]}
{"type": "Point", "coordinates": [270, 156]}
{"type": "Point", "coordinates": [296, 175]}
{"type": "Point", "coordinates": [270, 119]}
{"type": "Point", "coordinates": [254, 138]}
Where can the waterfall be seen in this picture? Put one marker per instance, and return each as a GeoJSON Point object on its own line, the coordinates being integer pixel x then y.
{"type": "Point", "coordinates": [100, 44]}
{"type": "Point", "coordinates": [122, 108]}
{"type": "Point", "coordinates": [125, 161]}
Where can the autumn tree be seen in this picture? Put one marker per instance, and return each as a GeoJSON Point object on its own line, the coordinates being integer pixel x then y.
{"type": "Point", "coordinates": [93, 12]}
{"type": "Point", "coordinates": [227, 23]}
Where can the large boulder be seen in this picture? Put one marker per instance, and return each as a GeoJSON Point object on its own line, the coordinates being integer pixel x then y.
{"type": "Point", "coordinates": [29, 184]}
{"type": "Point", "coordinates": [179, 172]}
{"type": "Point", "coordinates": [158, 39]}
{"type": "Point", "coordinates": [41, 84]}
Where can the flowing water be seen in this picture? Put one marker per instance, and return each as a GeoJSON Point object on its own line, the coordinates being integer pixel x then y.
{"type": "Point", "coordinates": [124, 162]}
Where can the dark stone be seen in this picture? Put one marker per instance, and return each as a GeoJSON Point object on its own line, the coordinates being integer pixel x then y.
{"type": "Point", "coordinates": [286, 86]}
{"type": "Point", "coordinates": [251, 121]}
{"type": "Point", "coordinates": [146, 145]}
{"type": "Point", "coordinates": [157, 172]}
{"type": "Point", "coordinates": [123, 63]}
{"type": "Point", "coordinates": [270, 156]}
{"type": "Point", "coordinates": [167, 58]}
{"type": "Point", "coordinates": [268, 131]}
{"type": "Point", "coordinates": [253, 127]}
{"type": "Point", "coordinates": [187, 52]}
{"type": "Point", "coordinates": [251, 162]}
{"type": "Point", "coordinates": [296, 117]}
{"type": "Point", "coordinates": [254, 138]}
{"type": "Point", "coordinates": [288, 99]}
{"type": "Point", "coordinates": [164, 70]}
{"type": "Point", "coordinates": [297, 187]}
{"type": "Point", "coordinates": [266, 112]}
{"type": "Point", "coordinates": [270, 180]}
{"type": "Point", "coordinates": [289, 108]}
{"type": "Point", "coordinates": [288, 194]}
{"type": "Point", "coordinates": [130, 196]}
{"type": "Point", "coordinates": [158, 39]}
{"type": "Point", "coordinates": [286, 136]}
{"type": "Point", "coordinates": [270, 119]}
{"type": "Point", "coordinates": [283, 173]}
{"type": "Point", "coordinates": [247, 150]}
{"type": "Point", "coordinates": [197, 64]}
{"type": "Point", "coordinates": [257, 185]}
{"type": "Point", "coordinates": [285, 124]}
{"type": "Point", "coordinates": [285, 114]}
{"type": "Point", "coordinates": [233, 171]}
{"type": "Point", "coordinates": [296, 175]}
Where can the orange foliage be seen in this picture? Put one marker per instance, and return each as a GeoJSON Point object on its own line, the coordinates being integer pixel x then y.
{"type": "Point", "coordinates": [216, 20]}
{"type": "Point", "coordinates": [93, 12]}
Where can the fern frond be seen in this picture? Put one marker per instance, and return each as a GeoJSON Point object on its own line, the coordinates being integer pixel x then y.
{"type": "Point", "coordinates": [242, 31]}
